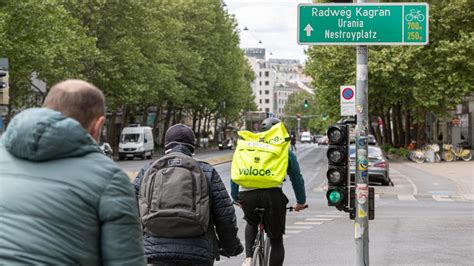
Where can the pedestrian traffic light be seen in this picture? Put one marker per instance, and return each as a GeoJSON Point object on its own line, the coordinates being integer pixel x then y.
{"type": "Point", "coordinates": [306, 103]}
{"type": "Point", "coordinates": [338, 166]}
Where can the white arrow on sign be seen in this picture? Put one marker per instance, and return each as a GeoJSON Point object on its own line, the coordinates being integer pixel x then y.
{"type": "Point", "coordinates": [308, 30]}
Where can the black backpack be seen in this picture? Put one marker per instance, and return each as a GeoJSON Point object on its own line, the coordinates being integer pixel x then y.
{"type": "Point", "coordinates": [174, 198]}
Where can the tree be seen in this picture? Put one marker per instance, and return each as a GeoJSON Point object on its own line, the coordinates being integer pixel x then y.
{"type": "Point", "coordinates": [41, 40]}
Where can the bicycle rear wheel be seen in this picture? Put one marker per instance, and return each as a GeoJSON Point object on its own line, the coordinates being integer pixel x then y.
{"type": "Point", "coordinates": [266, 254]}
{"type": "Point", "coordinates": [257, 259]}
{"type": "Point", "coordinates": [449, 156]}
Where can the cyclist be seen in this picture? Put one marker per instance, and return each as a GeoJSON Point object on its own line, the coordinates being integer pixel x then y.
{"type": "Point", "coordinates": [274, 201]}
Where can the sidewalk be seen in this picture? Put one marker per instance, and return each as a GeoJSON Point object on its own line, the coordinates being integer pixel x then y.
{"type": "Point", "coordinates": [206, 155]}
{"type": "Point", "coordinates": [459, 172]}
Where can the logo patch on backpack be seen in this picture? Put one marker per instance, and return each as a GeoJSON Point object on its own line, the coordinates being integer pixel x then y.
{"type": "Point", "coordinates": [174, 162]}
{"type": "Point", "coordinates": [174, 198]}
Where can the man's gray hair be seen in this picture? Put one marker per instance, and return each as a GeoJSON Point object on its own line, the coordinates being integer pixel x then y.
{"type": "Point", "coordinates": [77, 99]}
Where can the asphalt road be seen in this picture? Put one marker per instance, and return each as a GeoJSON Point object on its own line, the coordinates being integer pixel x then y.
{"type": "Point", "coordinates": [424, 219]}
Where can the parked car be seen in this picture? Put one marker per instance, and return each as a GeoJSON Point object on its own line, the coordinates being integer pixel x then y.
{"type": "Point", "coordinates": [370, 140]}
{"type": "Point", "coordinates": [305, 137]}
{"type": "Point", "coordinates": [316, 138]}
{"type": "Point", "coordinates": [107, 149]}
{"type": "Point", "coordinates": [226, 144]}
{"type": "Point", "coordinates": [136, 141]}
{"type": "Point", "coordinates": [377, 163]}
{"type": "Point", "coordinates": [323, 140]}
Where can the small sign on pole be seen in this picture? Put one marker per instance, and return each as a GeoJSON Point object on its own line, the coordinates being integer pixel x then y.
{"type": "Point", "coordinates": [348, 100]}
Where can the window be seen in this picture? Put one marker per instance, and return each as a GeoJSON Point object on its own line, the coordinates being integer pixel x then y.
{"type": "Point", "coordinates": [260, 83]}
{"type": "Point", "coordinates": [267, 83]}
{"type": "Point", "coordinates": [267, 73]}
{"type": "Point", "coordinates": [267, 110]}
{"type": "Point", "coordinates": [260, 92]}
{"type": "Point", "coordinates": [260, 100]}
{"type": "Point", "coordinates": [267, 92]}
{"type": "Point", "coordinates": [260, 74]}
{"type": "Point", "coordinates": [267, 100]}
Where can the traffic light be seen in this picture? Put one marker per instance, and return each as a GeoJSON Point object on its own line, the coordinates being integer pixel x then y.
{"type": "Point", "coordinates": [4, 92]}
{"type": "Point", "coordinates": [338, 168]}
{"type": "Point", "coordinates": [3, 84]}
{"type": "Point", "coordinates": [306, 105]}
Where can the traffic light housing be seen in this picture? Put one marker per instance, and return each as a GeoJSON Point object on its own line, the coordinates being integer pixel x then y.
{"type": "Point", "coordinates": [338, 166]}
{"type": "Point", "coordinates": [306, 105]}
{"type": "Point", "coordinates": [4, 88]}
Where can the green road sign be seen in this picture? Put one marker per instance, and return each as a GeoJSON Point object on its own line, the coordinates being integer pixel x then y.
{"type": "Point", "coordinates": [363, 24]}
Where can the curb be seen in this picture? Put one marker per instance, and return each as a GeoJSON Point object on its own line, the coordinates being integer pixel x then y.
{"type": "Point", "coordinates": [212, 161]}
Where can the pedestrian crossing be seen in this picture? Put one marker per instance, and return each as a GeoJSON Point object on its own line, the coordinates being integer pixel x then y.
{"type": "Point", "coordinates": [405, 190]}
{"type": "Point", "coordinates": [299, 226]}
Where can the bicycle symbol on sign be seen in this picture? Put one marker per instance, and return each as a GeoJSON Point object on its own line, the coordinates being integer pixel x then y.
{"type": "Point", "coordinates": [415, 15]}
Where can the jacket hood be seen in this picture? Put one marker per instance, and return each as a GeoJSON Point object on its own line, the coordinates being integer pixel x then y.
{"type": "Point", "coordinates": [42, 134]}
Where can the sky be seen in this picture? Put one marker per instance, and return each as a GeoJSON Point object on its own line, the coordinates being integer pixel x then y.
{"type": "Point", "coordinates": [274, 22]}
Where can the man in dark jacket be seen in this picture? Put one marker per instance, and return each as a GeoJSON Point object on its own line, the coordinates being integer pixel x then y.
{"type": "Point", "coordinates": [205, 249]}
{"type": "Point", "coordinates": [63, 202]}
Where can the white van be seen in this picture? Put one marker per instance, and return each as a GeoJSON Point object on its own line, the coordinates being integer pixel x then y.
{"type": "Point", "coordinates": [306, 137]}
{"type": "Point", "coordinates": [136, 141]}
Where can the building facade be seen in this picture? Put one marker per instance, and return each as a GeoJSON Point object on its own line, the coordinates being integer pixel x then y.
{"type": "Point", "coordinates": [275, 80]}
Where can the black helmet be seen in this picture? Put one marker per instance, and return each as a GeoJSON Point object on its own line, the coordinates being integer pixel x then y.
{"type": "Point", "coordinates": [267, 123]}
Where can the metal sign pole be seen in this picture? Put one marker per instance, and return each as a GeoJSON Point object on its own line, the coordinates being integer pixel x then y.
{"type": "Point", "coordinates": [361, 226]}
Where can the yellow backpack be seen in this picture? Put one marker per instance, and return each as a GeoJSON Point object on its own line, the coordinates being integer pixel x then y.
{"type": "Point", "coordinates": [261, 159]}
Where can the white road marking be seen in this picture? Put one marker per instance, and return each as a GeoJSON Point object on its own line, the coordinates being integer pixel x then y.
{"type": "Point", "coordinates": [292, 231]}
{"type": "Point", "coordinates": [318, 219]}
{"type": "Point", "coordinates": [469, 196]}
{"type": "Point", "coordinates": [407, 198]}
{"type": "Point", "coordinates": [298, 227]}
{"type": "Point", "coordinates": [442, 198]}
{"type": "Point", "coordinates": [286, 237]}
{"type": "Point", "coordinates": [309, 223]}
{"type": "Point", "coordinates": [328, 216]}
{"type": "Point", "coordinates": [415, 188]}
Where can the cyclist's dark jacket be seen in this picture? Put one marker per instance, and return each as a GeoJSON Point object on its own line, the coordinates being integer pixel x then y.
{"type": "Point", "coordinates": [296, 179]}
{"type": "Point", "coordinates": [199, 248]}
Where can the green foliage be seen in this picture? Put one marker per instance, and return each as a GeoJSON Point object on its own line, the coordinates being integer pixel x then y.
{"type": "Point", "coordinates": [405, 80]}
{"type": "Point", "coordinates": [183, 56]}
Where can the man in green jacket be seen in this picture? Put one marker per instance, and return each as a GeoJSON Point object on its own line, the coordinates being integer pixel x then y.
{"type": "Point", "coordinates": [62, 202]}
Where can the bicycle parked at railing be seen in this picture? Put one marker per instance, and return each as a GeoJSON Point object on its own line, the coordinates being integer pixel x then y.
{"type": "Point", "coordinates": [261, 248]}
{"type": "Point", "coordinates": [429, 153]}
{"type": "Point", "coordinates": [455, 152]}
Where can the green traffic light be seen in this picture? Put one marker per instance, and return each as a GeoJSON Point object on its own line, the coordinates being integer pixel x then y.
{"type": "Point", "coordinates": [334, 196]}
{"type": "Point", "coordinates": [306, 104]}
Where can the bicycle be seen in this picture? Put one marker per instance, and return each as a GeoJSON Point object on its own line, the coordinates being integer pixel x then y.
{"type": "Point", "coordinates": [417, 156]}
{"type": "Point", "coordinates": [261, 248]}
{"type": "Point", "coordinates": [415, 15]}
{"type": "Point", "coordinates": [456, 151]}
